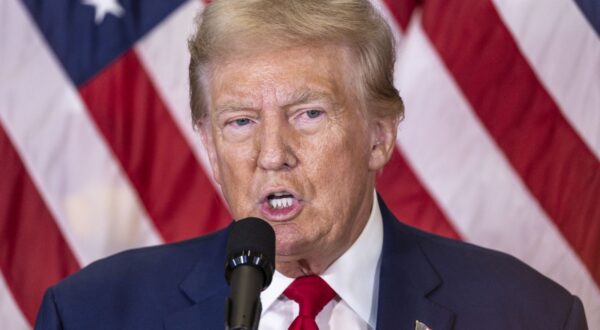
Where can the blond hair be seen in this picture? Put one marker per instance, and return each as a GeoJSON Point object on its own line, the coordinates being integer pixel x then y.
{"type": "Point", "coordinates": [229, 27]}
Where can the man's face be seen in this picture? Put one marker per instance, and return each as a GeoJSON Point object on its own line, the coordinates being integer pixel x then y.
{"type": "Point", "coordinates": [289, 143]}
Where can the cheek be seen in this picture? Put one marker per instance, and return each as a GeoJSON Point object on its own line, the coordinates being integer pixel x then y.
{"type": "Point", "coordinates": [339, 163]}
{"type": "Point", "coordinates": [236, 171]}
{"type": "Point", "coordinates": [234, 158]}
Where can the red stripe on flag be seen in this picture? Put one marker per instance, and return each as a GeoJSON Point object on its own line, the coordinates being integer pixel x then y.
{"type": "Point", "coordinates": [409, 200]}
{"type": "Point", "coordinates": [170, 182]}
{"type": "Point", "coordinates": [33, 253]}
{"type": "Point", "coordinates": [555, 164]}
{"type": "Point", "coordinates": [402, 10]}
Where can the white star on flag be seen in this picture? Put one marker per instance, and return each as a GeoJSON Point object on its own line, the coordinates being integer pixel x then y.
{"type": "Point", "coordinates": [104, 7]}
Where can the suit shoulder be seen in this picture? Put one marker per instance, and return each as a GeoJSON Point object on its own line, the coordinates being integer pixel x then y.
{"type": "Point", "coordinates": [486, 280]}
{"type": "Point", "coordinates": [461, 260]}
{"type": "Point", "coordinates": [146, 264]}
{"type": "Point", "coordinates": [135, 288]}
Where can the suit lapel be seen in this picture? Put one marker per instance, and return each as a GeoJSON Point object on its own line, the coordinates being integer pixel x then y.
{"type": "Point", "coordinates": [406, 280]}
{"type": "Point", "coordinates": [206, 288]}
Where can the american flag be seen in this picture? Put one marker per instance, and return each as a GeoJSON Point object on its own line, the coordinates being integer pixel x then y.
{"type": "Point", "coordinates": [500, 145]}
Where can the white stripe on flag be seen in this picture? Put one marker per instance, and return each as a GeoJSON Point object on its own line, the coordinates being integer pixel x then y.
{"type": "Point", "coordinates": [470, 179]}
{"type": "Point", "coordinates": [85, 190]}
{"type": "Point", "coordinates": [564, 50]}
{"type": "Point", "coordinates": [10, 314]}
{"type": "Point", "coordinates": [163, 52]}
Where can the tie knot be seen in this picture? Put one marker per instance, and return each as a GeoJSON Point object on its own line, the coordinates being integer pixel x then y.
{"type": "Point", "coordinates": [311, 293]}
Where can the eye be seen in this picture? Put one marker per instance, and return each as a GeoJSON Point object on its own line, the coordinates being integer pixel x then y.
{"type": "Point", "coordinates": [242, 121]}
{"type": "Point", "coordinates": [313, 113]}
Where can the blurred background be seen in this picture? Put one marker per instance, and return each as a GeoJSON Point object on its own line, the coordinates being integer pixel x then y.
{"type": "Point", "coordinates": [500, 145]}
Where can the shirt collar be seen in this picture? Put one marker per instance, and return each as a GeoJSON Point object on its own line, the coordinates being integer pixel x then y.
{"type": "Point", "coordinates": [354, 276]}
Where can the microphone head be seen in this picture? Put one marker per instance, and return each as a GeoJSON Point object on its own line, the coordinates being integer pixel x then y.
{"type": "Point", "coordinates": [251, 242]}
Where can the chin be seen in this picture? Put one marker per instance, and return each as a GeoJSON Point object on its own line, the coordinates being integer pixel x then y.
{"type": "Point", "coordinates": [291, 242]}
{"type": "Point", "coordinates": [291, 250]}
{"type": "Point", "coordinates": [286, 249]}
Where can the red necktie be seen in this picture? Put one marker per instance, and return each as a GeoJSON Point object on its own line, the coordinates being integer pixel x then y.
{"type": "Point", "coordinates": [312, 294]}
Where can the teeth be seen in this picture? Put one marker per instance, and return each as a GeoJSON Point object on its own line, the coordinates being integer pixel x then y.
{"type": "Point", "coordinates": [281, 202]}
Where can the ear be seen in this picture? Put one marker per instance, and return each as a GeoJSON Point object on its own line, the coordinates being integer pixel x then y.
{"type": "Point", "coordinates": [204, 127]}
{"type": "Point", "coordinates": [383, 140]}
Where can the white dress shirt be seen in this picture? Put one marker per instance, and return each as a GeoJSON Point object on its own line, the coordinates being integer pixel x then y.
{"type": "Point", "coordinates": [355, 278]}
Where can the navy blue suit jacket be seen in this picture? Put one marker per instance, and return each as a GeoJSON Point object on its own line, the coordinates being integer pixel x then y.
{"type": "Point", "coordinates": [443, 283]}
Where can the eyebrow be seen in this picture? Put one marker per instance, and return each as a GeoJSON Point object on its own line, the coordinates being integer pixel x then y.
{"type": "Point", "coordinates": [297, 97]}
{"type": "Point", "coordinates": [231, 106]}
{"type": "Point", "coordinates": [306, 96]}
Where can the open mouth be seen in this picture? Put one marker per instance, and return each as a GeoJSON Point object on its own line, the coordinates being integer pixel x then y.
{"type": "Point", "coordinates": [281, 205]}
{"type": "Point", "coordinates": [280, 200]}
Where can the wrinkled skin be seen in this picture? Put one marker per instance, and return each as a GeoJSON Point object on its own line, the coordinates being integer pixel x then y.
{"type": "Point", "coordinates": [290, 121]}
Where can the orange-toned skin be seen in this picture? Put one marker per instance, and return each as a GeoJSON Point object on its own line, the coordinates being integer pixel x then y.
{"type": "Point", "coordinates": [291, 120]}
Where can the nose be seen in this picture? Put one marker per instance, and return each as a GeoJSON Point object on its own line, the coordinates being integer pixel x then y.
{"type": "Point", "coordinates": [275, 152]}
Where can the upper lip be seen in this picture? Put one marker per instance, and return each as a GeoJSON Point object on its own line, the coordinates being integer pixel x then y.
{"type": "Point", "coordinates": [278, 189]}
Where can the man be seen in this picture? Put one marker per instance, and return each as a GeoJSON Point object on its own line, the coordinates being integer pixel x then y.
{"type": "Point", "coordinates": [295, 104]}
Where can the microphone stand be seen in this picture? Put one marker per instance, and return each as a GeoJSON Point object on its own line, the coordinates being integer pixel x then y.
{"type": "Point", "coordinates": [244, 293]}
{"type": "Point", "coordinates": [249, 268]}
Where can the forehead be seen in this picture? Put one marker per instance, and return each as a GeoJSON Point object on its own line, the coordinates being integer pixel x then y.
{"type": "Point", "coordinates": [291, 73]}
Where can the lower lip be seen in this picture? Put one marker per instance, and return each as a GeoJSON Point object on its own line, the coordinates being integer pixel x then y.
{"type": "Point", "coordinates": [282, 214]}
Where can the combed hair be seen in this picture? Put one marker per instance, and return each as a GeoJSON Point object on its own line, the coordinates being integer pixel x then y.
{"type": "Point", "coordinates": [231, 27]}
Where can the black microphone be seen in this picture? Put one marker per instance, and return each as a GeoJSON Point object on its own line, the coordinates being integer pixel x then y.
{"type": "Point", "coordinates": [249, 269]}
